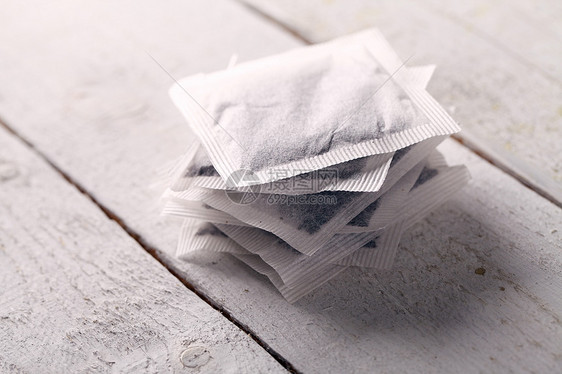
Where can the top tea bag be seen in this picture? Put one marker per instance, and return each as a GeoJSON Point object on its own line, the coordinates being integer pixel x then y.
{"type": "Point", "coordinates": [308, 109]}
{"type": "Point", "coordinates": [365, 174]}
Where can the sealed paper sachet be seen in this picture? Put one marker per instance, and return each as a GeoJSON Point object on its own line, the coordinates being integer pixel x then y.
{"type": "Point", "coordinates": [309, 108]}
{"type": "Point", "coordinates": [306, 222]}
{"type": "Point", "coordinates": [437, 180]}
{"type": "Point", "coordinates": [382, 210]}
{"type": "Point", "coordinates": [365, 174]}
{"type": "Point", "coordinates": [310, 161]}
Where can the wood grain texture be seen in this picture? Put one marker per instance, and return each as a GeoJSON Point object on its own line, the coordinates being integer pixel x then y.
{"type": "Point", "coordinates": [498, 68]}
{"type": "Point", "coordinates": [99, 110]}
{"type": "Point", "coordinates": [79, 295]}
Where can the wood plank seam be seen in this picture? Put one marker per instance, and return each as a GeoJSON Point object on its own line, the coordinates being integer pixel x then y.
{"type": "Point", "coordinates": [474, 148]}
{"type": "Point", "coordinates": [154, 253]}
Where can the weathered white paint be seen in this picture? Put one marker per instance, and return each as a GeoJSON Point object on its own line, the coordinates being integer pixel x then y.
{"type": "Point", "coordinates": [102, 114]}
{"type": "Point", "coordinates": [77, 294]}
{"type": "Point", "coordinates": [498, 67]}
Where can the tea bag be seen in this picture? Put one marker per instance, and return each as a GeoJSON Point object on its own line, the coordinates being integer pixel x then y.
{"type": "Point", "coordinates": [382, 211]}
{"type": "Point", "coordinates": [308, 225]}
{"type": "Point", "coordinates": [291, 294]}
{"type": "Point", "coordinates": [364, 174]}
{"type": "Point", "coordinates": [436, 183]}
{"type": "Point", "coordinates": [328, 104]}
{"type": "Point", "coordinates": [296, 268]}
{"type": "Point", "coordinates": [207, 238]}
{"type": "Point", "coordinates": [197, 236]}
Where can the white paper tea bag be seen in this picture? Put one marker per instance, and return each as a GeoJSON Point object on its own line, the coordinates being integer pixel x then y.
{"type": "Point", "coordinates": [375, 216]}
{"type": "Point", "coordinates": [365, 174]}
{"type": "Point", "coordinates": [435, 184]}
{"type": "Point", "coordinates": [301, 274]}
{"type": "Point", "coordinates": [201, 236]}
{"type": "Point", "coordinates": [309, 108]}
{"type": "Point", "coordinates": [309, 224]}
{"type": "Point", "coordinates": [198, 235]}
{"type": "Point", "coordinates": [295, 268]}
{"type": "Point", "coordinates": [291, 294]}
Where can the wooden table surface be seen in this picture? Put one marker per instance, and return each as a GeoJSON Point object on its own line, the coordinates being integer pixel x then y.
{"type": "Point", "coordinates": [88, 280]}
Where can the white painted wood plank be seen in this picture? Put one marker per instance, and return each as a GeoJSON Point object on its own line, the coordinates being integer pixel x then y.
{"type": "Point", "coordinates": [79, 295]}
{"type": "Point", "coordinates": [498, 67]}
{"type": "Point", "coordinates": [108, 123]}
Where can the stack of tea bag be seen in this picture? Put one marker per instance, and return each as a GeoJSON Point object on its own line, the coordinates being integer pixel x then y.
{"type": "Point", "coordinates": [310, 161]}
